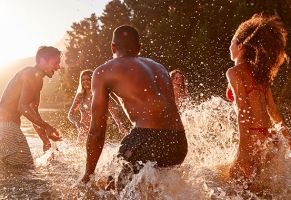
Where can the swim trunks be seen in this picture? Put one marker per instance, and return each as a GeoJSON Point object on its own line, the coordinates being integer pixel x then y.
{"type": "Point", "coordinates": [14, 149]}
{"type": "Point", "coordinates": [165, 147]}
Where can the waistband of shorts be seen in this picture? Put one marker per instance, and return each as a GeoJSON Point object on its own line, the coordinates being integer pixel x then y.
{"type": "Point", "coordinates": [154, 130]}
{"type": "Point", "coordinates": [9, 124]}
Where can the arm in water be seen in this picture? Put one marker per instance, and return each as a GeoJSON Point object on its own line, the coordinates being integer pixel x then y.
{"type": "Point", "coordinates": [28, 106]}
{"type": "Point", "coordinates": [276, 116]}
{"type": "Point", "coordinates": [43, 136]}
{"type": "Point", "coordinates": [72, 115]}
{"type": "Point", "coordinates": [96, 137]}
{"type": "Point", "coordinates": [114, 113]}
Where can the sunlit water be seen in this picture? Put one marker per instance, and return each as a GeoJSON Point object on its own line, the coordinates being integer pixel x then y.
{"type": "Point", "coordinates": [212, 141]}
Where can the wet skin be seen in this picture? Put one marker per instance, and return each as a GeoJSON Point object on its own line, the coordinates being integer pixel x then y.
{"type": "Point", "coordinates": [255, 109]}
{"type": "Point", "coordinates": [22, 97]}
{"type": "Point", "coordinates": [143, 88]}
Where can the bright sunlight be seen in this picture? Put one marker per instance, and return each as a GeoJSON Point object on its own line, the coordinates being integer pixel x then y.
{"type": "Point", "coordinates": [15, 40]}
{"type": "Point", "coordinates": [26, 25]}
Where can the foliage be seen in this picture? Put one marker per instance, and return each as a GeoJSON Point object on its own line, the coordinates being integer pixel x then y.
{"type": "Point", "coordinates": [193, 36]}
{"type": "Point", "coordinates": [82, 51]}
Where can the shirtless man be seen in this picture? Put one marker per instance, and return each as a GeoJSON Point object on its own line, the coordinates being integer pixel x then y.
{"type": "Point", "coordinates": [21, 97]}
{"type": "Point", "coordinates": [143, 88]}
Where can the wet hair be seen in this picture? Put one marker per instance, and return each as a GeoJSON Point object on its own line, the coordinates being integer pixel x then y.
{"type": "Point", "coordinates": [264, 40]}
{"type": "Point", "coordinates": [174, 73]}
{"type": "Point", "coordinates": [46, 52]}
{"type": "Point", "coordinates": [126, 40]}
{"type": "Point", "coordinates": [81, 89]}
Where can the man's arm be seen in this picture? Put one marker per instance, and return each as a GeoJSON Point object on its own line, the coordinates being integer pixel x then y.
{"type": "Point", "coordinates": [117, 119]}
{"type": "Point", "coordinates": [96, 136]}
{"type": "Point", "coordinates": [41, 132]}
{"type": "Point", "coordinates": [30, 93]}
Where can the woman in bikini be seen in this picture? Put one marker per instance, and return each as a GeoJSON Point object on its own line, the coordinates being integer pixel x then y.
{"type": "Point", "coordinates": [257, 48]}
{"type": "Point", "coordinates": [82, 105]}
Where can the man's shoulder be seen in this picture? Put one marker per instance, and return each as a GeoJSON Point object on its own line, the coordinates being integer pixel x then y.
{"type": "Point", "coordinates": [26, 71]}
{"type": "Point", "coordinates": [109, 66]}
{"type": "Point", "coordinates": [149, 60]}
{"type": "Point", "coordinates": [120, 64]}
{"type": "Point", "coordinates": [29, 74]}
{"type": "Point", "coordinates": [22, 73]}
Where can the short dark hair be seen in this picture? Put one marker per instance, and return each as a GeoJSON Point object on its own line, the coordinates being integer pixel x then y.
{"type": "Point", "coordinates": [47, 52]}
{"type": "Point", "coordinates": [126, 39]}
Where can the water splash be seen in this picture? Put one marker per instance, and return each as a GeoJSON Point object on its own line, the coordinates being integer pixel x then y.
{"type": "Point", "coordinates": [212, 136]}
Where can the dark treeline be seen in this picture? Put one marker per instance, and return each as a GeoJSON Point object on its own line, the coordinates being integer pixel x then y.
{"type": "Point", "coordinates": [191, 35]}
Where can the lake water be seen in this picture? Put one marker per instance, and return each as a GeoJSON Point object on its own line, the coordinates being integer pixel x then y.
{"type": "Point", "coordinates": [212, 141]}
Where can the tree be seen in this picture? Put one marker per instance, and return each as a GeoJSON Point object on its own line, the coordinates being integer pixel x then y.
{"type": "Point", "coordinates": [193, 36]}
{"type": "Point", "coordinates": [83, 50]}
{"type": "Point", "coordinates": [115, 14]}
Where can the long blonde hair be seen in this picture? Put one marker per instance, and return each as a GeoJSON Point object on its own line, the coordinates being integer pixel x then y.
{"type": "Point", "coordinates": [81, 89]}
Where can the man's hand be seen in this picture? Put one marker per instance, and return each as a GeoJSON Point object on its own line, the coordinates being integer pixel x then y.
{"type": "Point", "coordinates": [46, 146]}
{"type": "Point", "coordinates": [52, 133]}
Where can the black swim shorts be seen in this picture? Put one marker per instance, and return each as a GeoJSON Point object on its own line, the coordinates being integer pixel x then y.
{"type": "Point", "coordinates": [166, 147]}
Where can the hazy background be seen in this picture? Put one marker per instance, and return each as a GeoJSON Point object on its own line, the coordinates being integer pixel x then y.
{"type": "Point", "coordinates": [26, 25]}
{"type": "Point", "coordinates": [192, 36]}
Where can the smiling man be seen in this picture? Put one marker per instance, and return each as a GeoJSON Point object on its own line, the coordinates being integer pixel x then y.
{"type": "Point", "coordinates": [21, 97]}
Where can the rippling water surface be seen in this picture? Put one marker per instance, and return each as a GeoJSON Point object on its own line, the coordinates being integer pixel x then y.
{"type": "Point", "coordinates": [212, 141]}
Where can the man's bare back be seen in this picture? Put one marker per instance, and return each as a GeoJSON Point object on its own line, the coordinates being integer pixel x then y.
{"type": "Point", "coordinates": [144, 89]}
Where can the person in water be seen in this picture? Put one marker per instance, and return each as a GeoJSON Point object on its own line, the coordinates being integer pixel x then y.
{"type": "Point", "coordinates": [143, 88]}
{"type": "Point", "coordinates": [82, 105]}
{"type": "Point", "coordinates": [22, 97]}
{"type": "Point", "coordinates": [258, 50]}
{"type": "Point", "coordinates": [179, 86]}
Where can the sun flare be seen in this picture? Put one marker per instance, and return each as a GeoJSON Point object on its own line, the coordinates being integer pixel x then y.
{"type": "Point", "coordinates": [13, 46]}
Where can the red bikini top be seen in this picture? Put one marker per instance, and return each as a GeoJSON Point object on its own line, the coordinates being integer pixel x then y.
{"type": "Point", "coordinates": [229, 93]}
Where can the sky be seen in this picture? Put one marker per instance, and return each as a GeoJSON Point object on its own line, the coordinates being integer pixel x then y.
{"type": "Point", "coordinates": [28, 24]}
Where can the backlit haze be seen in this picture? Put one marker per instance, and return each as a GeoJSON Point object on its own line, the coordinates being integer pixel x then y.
{"type": "Point", "coordinates": [28, 24]}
